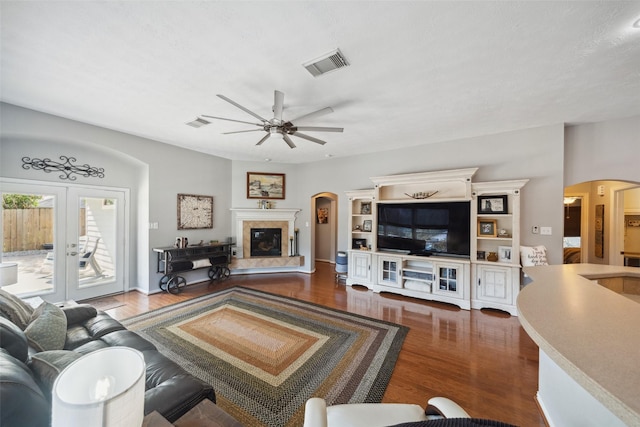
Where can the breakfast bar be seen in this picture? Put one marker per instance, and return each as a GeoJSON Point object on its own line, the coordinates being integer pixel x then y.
{"type": "Point", "coordinates": [589, 342]}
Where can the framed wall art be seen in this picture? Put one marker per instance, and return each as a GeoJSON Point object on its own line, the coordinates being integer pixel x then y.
{"type": "Point", "coordinates": [599, 231]}
{"type": "Point", "coordinates": [492, 204]}
{"type": "Point", "coordinates": [265, 185]}
{"type": "Point", "coordinates": [322, 216]}
{"type": "Point", "coordinates": [194, 211]}
{"type": "Point", "coordinates": [487, 228]}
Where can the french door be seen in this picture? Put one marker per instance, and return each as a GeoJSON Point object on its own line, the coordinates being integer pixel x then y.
{"type": "Point", "coordinates": [68, 241]}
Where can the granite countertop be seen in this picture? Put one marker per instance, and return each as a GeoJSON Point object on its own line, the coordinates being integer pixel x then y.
{"type": "Point", "coordinates": [589, 331]}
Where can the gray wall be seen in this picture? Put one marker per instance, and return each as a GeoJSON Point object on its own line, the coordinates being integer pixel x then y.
{"type": "Point", "coordinates": [536, 154]}
{"type": "Point", "coordinates": [154, 172]}
{"type": "Point", "coordinates": [603, 151]}
{"type": "Point", "coordinates": [157, 172]}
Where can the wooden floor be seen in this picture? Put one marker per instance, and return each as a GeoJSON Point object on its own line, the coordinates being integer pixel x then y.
{"type": "Point", "coordinates": [482, 359]}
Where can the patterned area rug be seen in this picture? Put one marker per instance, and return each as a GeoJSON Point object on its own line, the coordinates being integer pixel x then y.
{"type": "Point", "coordinates": [265, 354]}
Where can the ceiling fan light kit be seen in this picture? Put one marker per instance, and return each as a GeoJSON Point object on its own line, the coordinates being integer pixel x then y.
{"type": "Point", "coordinates": [276, 128]}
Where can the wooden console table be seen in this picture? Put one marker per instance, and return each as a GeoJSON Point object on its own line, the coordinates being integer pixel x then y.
{"type": "Point", "coordinates": [206, 413]}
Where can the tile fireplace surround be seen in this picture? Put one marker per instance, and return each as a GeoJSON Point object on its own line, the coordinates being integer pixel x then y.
{"type": "Point", "coordinates": [245, 219]}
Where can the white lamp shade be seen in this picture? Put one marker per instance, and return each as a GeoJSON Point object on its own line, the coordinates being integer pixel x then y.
{"type": "Point", "coordinates": [103, 388]}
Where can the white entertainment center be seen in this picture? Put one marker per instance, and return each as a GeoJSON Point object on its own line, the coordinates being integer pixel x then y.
{"type": "Point", "coordinates": [468, 281]}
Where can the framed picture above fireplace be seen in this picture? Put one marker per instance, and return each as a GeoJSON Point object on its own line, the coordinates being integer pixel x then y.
{"type": "Point", "coordinates": [265, 185]}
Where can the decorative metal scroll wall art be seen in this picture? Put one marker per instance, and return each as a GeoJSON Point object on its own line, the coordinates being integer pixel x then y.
{"type": "Point", "coordinates": [67, 167]}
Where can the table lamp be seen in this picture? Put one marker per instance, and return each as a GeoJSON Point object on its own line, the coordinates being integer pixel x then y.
{"type": "Point", "coordinates": [103, 388]}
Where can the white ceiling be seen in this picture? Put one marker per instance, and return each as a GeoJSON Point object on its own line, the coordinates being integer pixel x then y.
{"type": "Point", "coordinates": [420, 71]}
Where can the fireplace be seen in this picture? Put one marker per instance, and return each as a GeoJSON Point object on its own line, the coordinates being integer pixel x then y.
{"type": "Point", "coordinates": [246, 219]}
{"type": "Point", "coordinates": [266, 242]}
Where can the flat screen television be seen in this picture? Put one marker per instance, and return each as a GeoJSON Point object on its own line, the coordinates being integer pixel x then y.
{"type": "Point", "coordinates": [441, 228]}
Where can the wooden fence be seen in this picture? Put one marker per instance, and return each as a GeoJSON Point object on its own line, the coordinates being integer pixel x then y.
{"type": "Point", "coordinates": [27, 229]}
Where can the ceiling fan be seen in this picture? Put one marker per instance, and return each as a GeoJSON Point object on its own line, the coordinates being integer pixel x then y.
{"type": "Point", "coordinates": [277, 126]}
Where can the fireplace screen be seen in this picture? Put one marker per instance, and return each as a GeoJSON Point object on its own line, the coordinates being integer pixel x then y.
{"type": "Point", "coordinates": [266, 242]}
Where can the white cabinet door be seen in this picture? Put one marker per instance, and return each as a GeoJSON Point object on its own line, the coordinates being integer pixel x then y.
{"type": "Point", "coordinates": [494, 284]}
{"type": "Point", "coordinates": [360, 267]}
{"type": "Point", "coordinates": [389, 273]}
{"type": "Point", "coordinates": [449, 279]}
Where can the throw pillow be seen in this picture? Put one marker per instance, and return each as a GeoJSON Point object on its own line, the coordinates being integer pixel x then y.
{"type": "Point", "coordinates": [48, 328]}
{"type": "Point", "coordinates": [14, 309]}
{"type": "Point", "coordinates": [47, 365]}
{"type": "Point", "coordinates": [533, 255]}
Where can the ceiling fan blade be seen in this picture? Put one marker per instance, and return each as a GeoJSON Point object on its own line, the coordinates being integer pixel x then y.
{"type": "Point", "coordinates": [232, 120]}
{"type": "Point", "coordinates": [320, 112]}
{"type": "Point", "coordinates": [288, 141]}
{"type": "Point", "coordinates": [246, 110]}
{"type": "Point", "coordinates": [264, 138]}
{"type": "Point", "coordinates": [319, 129]}
{"type": "Point", "coordinates": [310, 138]}
{"type": "Point", "coordinates": [242, 131]}
{"type": "Point", "coordinates": [278, 104]}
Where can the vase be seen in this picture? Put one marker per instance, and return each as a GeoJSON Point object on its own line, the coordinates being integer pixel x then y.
{"type": "Point", "coordinates": [492, 256]}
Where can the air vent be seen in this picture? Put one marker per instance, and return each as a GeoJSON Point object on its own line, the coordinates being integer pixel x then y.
{"type": "Point", "coordinates": [326, 63]}
{"type": "Point", "coordinates": [198, 123]}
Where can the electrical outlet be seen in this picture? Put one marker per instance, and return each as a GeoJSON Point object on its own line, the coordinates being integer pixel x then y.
{"type": "Point", "coordinates": [535, 229]}
{"type": "Point", "coordinates": [546, 231]}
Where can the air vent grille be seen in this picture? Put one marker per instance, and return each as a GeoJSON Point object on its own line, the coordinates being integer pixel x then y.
{"type": "Point", "coordinates": [198, 123]}
{"type": "Point", "coordinates": [326, 63]}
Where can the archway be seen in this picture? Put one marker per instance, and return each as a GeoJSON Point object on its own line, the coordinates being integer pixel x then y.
{"type": "Point", "coordinates": [324, 228]}
{"type": "Point", "coordinates": [610, 219]}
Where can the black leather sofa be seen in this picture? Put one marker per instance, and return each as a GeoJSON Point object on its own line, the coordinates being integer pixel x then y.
{"type": "Point", "coordinates": [27, 370]}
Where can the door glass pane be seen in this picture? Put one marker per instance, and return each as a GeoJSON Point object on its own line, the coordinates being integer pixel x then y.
{"type": "Point", "coordinates": [96, 247]}
{"type": "Point", "coordinates": [28, 222]}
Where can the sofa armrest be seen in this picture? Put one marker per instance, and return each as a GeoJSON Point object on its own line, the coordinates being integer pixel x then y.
{"type": "Point", "coordinates": [177, 396]}
{"type": "Point", "coordinates": [79, 313]}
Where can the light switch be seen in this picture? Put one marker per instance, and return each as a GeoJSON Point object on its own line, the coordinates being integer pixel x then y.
{"type": "Point", "coordinates": [545, 231]}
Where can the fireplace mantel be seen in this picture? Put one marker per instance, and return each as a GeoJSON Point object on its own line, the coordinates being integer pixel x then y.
{"type": "Point", "coordinates": [248, 214]}
{"type": "Point", "coordinates": [244, 217]}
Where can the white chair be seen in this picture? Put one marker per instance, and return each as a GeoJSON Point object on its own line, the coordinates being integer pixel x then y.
{"type": "Point", "coordinates": [318, 414]}
{"type": "Point", "coordinates": [88, 258]}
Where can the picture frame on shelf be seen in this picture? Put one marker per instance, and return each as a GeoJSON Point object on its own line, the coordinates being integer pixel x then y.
{"type": "Point", "coordinates": [487, 228]}
{"type": "Point", "coordinates": [365, 208]}
{"type": "Point", "coordinates": [504, 253]}
{"type": "Point", "coordinates": [265, 185]}
{"type": "Point", "coordinates": [367, 225]}
{"type": "Point", "coordinates": [358, 243]}
{"type": "Point", "coordinates": [480, 255]}
{"type": "Point", "coordinates": [493, 204]}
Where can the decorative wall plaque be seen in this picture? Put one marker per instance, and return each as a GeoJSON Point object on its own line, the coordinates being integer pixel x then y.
{"type": "Point", "coordinates": [67, 167]}
{"type": "Point", "coordinates": [194, 211]}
